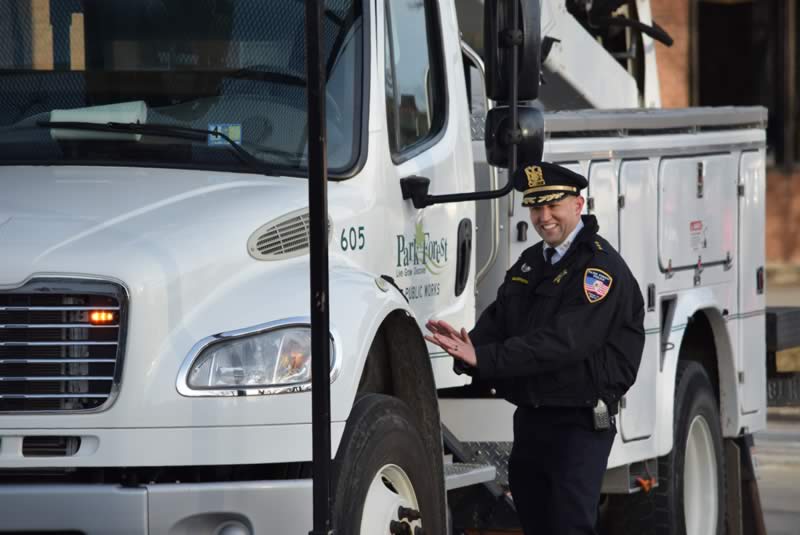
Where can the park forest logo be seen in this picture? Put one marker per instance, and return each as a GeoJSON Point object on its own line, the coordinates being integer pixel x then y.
{"type": "Point", "coordinates": [421, 253]}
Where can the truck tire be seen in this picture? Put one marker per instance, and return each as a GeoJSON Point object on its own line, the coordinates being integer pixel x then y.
{"type": "Point", "coordinates": [690, 497]}
{"type": "Point", "coordinates": [382, 466]}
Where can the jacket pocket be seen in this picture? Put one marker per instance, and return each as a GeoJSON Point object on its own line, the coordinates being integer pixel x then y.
{"type": "Point", "coordinates": [573, 383]}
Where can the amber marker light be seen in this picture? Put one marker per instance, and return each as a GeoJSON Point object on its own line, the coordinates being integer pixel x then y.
{"type": "Point", "coordinates": [101, 317]}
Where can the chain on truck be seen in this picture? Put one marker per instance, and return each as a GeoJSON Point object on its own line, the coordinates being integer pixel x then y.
{"type": "Point", "coordinates": [154, 303]}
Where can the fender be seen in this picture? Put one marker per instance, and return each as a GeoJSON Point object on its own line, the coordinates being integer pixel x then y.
{"type": "Point", "coordinates": [360, 303]}
{"type": "Point", "coordinates": [687, 305]}
{"type": "Point", "coordinates": [381, 327]}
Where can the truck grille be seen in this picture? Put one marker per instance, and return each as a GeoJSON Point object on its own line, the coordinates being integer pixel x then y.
{"type": "Point", "coordinates": [61, 345]}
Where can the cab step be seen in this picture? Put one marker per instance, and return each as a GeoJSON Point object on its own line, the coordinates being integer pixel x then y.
{"type": "Point", "coordinates": [459, 475]}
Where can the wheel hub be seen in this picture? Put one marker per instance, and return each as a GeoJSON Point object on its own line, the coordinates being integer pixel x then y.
{"type": "Point", "coordinates": [390, 506]}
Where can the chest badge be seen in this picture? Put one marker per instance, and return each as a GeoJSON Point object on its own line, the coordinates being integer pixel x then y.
{"type": "Point", "coordinates": [560, 276]}
{"type": "Point", "coordinates": [596, 284]}
{"type": "Point", "coordinates": [525, 268]}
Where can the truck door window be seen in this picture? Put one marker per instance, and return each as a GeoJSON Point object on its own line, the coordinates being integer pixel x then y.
{"type": "Point", "coordinates": [415, 91]}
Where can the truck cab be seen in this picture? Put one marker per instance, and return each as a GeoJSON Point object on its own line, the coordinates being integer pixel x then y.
{"type": "Point", "coordinates": [154, 304]}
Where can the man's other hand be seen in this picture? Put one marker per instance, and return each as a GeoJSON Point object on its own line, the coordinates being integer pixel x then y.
{"type": "Point", "coordinates": [456, 343]}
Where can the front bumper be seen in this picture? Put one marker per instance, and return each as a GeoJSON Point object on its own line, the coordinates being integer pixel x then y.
{"type": "Point", "coordinates": [264, 507]}
{"type": "Point", "coordinates": [165, 446]}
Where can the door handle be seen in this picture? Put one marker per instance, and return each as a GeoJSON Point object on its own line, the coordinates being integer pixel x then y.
{"type": "Point", "coordinates": [464, 252]}
{"type": "Point", "coordinates": [522, 231]}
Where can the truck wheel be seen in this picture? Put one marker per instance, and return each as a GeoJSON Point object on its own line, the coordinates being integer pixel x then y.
{"type": "Point", "coordinates": [385, 481]}
{"type": "Point", "coordinates": [690, 497]}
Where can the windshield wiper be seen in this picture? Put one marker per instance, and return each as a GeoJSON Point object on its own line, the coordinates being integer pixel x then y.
{"type": "Point", "coordinates": [178, 132]}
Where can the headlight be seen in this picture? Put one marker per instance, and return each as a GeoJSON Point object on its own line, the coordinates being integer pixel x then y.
{"type": "Point", "coordinates": [269, 357]}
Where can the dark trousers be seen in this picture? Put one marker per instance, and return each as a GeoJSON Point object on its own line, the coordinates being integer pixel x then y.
{"type": "Point", "coordinates": [556, 470]}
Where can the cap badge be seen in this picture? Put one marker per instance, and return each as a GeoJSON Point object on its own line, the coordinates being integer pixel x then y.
{"type": "Point", "coordinates": [535, 176]}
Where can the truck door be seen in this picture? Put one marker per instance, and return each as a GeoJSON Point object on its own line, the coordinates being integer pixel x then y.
{"type": "Point", "coordinates": [428, 126]}
{"type": "Point", "coordinates": [638, 247]}
{"type": "Point", "coordinates": [752, 352]}
{"type": "Point", "coordinates": [602, 200]}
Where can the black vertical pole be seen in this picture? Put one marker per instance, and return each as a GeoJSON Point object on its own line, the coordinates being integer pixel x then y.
{"type": "Point", "coordinates": [318, 223]}
{"type": "Point", "coordinates": [514, 92]}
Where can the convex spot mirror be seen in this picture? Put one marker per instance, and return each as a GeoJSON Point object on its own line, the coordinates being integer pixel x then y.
{"type": "Point", "coordinates": [499, 135]}
{"type": "Point", "coordinates": [497, 22]}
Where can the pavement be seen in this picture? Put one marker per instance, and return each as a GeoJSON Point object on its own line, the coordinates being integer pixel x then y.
{"type": "Point", "coordinates": [777, 449]}
{"type": "Point", "coordinates": [777, 452]}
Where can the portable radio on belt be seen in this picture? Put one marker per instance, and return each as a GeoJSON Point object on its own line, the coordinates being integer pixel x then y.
{"type": "Point", "coordinates": [600, 416]}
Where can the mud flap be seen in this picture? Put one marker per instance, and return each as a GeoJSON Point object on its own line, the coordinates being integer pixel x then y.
{"type": "Point", "coordinates": [745, 514]}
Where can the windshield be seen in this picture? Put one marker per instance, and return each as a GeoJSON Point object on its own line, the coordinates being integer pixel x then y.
{"type": "Point", "coordinates": [232, 66]}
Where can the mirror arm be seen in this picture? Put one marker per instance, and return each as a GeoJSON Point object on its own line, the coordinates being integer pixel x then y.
{"type": "Point", "coordinates": [429, 200]}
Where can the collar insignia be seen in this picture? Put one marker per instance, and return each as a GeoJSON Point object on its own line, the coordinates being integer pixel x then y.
{"type": "Point", "coordinates": [560, 276]}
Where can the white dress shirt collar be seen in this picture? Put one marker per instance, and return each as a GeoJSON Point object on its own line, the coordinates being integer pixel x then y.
{"type": "Point", "coordinates": [563, 247]}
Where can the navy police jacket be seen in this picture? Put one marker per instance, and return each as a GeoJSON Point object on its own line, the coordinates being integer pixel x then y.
{"type": "Point", "coordinates": [567, 334]}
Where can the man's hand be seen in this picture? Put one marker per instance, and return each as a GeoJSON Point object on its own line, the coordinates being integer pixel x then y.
{"type": "Point", "coordinates": [456, 343]}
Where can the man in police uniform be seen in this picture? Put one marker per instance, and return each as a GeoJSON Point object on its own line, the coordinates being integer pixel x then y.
{"type": "Point", "coordinates": [562, 341]}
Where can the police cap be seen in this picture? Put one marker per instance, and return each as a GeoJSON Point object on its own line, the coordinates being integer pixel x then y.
{"type": "Point", "coordinates": [544, 183]}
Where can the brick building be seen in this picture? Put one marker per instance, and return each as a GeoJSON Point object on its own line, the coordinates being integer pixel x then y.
{"type": "Point", "coordinates": [743, 52]}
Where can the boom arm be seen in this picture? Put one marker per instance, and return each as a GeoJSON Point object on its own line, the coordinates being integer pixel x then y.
{"type": "Point", "coordinates": [600, 54]}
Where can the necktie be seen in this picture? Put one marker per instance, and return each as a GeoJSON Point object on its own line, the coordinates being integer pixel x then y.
{"type": "Point", "coordinates": [549, 253]}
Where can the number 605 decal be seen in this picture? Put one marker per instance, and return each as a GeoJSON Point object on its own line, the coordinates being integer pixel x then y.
{"type": "Point", "coordinates": [352, 239]}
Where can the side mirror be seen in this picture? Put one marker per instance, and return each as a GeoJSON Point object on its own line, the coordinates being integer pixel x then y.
{"type": "Point", "coordinates": [498, 36]}
{"type": "Point", "coordinates": [499, 135]}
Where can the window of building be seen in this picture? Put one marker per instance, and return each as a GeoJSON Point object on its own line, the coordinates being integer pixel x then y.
{"type": "Point", "coordinates": [745, 53]}
{"type": "Point", "coordinates": [415, 91]}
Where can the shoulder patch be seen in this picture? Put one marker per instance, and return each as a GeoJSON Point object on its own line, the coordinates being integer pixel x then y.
{"type": "Point", "coordinates": [596, 284]}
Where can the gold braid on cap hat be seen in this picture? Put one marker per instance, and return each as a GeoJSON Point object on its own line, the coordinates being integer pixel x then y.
{"type": "Point", "coordinates": [571, 189]}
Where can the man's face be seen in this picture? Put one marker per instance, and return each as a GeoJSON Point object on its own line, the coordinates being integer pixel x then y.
{"type": "Point", "coordinates": [554, 221]}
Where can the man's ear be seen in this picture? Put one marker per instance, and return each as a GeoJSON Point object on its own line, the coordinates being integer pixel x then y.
{"type": "Point", "coordinates": [579, 202]}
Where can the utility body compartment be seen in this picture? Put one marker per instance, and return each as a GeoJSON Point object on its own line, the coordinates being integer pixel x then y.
{"type": "Point", "coordinates": [680, 194]}
{"type": "Point", "coordinates": [697, 210]}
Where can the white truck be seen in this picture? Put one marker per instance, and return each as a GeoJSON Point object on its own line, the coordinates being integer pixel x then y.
{"type": "Point", "coordinates": [154, 304]}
